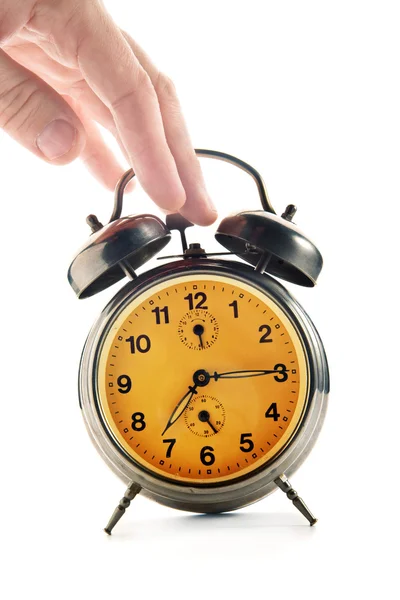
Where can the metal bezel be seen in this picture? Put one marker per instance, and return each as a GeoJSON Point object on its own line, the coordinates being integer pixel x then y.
{"type": "Point", "coordinates": [244, 490]}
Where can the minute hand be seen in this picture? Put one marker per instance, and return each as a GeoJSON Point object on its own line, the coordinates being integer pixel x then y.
{"type": "Point", "coordinates": [240, 374]}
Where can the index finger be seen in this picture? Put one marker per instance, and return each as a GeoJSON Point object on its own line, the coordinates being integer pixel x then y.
{"type": "Point", "coordinates": [115, 75]}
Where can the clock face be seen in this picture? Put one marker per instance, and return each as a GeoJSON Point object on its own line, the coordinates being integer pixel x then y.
{"type": "Point", "coordinates": [202, 379]}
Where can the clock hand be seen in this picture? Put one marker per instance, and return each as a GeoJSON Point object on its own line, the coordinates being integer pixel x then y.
{"type": "Point", "coordinates": [212, 426]}
{"type": "Point", "coordinates": [202, 378]}
{"type": "Point", "coordinates": [204, 417]}
{"type": "Point", "coordinates": [199, 330]}
{"type": "Point", "coordinates": [201, 341]}
{"type": "Point", "coordinates": [180, 407]}
{"type": "Point", "coordinates": [242, 374]}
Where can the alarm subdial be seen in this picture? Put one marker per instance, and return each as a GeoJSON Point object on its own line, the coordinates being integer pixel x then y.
{"type": "Point", "coordinates": [205, 416]}
{"type": "Point", "coordinates": [198, 329]}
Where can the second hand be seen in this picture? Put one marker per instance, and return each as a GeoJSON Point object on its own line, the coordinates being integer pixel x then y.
{"type": "Point", "coordinates": [204, 417]}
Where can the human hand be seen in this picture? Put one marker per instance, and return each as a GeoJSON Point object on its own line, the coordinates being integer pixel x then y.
{"type": "Point", "coordinates": [65, 65]}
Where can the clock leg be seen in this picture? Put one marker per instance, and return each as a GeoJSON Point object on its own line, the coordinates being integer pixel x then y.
{"type": "Point", "coordinates": [283, 483]}
{"type": "Point", "coordinates": [129, 495]}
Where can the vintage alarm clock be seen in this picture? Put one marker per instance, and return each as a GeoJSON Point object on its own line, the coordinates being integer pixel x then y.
{"type": "Point", "coordinates": [203, 383]}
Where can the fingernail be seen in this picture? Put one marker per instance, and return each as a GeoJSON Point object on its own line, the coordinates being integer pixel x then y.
{"type": "Point", "coordinates": [210, 213]}
{"type": "Point", "coordinates": [211, 204]}
{"type": "Point", "coordinates": [56, 139]}
{"type": "Point", "coordinates": [130, 186]}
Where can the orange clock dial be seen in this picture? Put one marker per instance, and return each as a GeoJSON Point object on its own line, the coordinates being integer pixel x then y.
{"type": "Point", "coordinates": [202, 379]}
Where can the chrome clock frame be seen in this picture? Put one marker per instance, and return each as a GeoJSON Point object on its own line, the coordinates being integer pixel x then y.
{"type": "Point", "coordinates": [214, 497]}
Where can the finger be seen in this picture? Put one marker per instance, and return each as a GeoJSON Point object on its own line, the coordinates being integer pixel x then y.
{"type": "Point", "coordinates": [115, 75]}
{"type": "Point", "coordinates": [63, 79]}
{"type": "Point", "coordinates": [36, 116]}
{"type": "Point", "coordinates": [100, 161]}
{"type": "Point", "coordinates": [97, 156]}
{"type": "Point", "coordinates": [66, 81]}
{"type": "Point", "coordinates": [198, 206]}
{"type": "Point", "coordinates": [34, 58]}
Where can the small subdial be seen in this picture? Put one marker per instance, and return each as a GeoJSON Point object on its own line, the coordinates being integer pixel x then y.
{"type": "Point", "coordinates": [205, 416]}
{"type": "Point", "coordinates": [198, 329]}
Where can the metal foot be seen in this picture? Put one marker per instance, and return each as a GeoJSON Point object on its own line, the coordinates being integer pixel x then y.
{"type": "Point", "coordinates": [283, 483]}
{"type": "Point", "coordinates": [129, 495]}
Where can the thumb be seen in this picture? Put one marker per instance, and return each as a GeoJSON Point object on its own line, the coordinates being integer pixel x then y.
{"type": "Point", "coordinates": [36, 116]}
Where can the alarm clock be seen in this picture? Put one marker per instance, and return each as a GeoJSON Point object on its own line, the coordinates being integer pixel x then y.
{"type": "Point", "coordinates": [203, 383]}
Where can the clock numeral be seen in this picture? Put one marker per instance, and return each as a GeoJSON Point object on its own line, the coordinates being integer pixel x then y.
{"type": "Point", "coordinates": [142, 343]}
{"type": "Point", "coordinates": [247, 445]}
{"type": "Point", "coordinates": [272, 412]}
{"type": "Point", "coordinates": [125, 384]}
{"type": "Point", "coordinates": [169, 449]}
{"type": "Point", "coordinates": [138, 422]}
{"type": "Point", "coordinates": [264, 338]}
{"type": "Point", "coordinates": [283, 373]}
{"type": "Point", "coordinates": [234, 305]}
{"type": "Point", "coordinates": [157, 311]}
{"type": "Point", "coordinates": [206, 456]}
{"type": "Point", "coordinates": [200, 296]}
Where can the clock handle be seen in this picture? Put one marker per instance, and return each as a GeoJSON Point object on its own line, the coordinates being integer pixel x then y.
{"type": "Point", "coordinates": [262, 190]}
{"type": "Point", "coordinates": [229, 158]}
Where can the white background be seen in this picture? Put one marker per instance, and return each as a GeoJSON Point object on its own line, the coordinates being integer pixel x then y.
{"type": "Point", "coordinates": [307, 92]}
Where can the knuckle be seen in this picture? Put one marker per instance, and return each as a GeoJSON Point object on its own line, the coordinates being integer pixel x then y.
{"type": "Point", "coordinates": [14, 14]}
{"type": "Point", "coordinates": [143, 81]}
{"type": "Point", "coordinates": [123, 99]}
{"type": "Point", "coordinates": [142, 84]}
{"type": "Point", "coordinates": [61, 24]}
{"type": "Point", "coordinates": [164, 86]}
{"type": "Point", "coordinates": [77, 89]}
{"type": "Point", "coordinates": [19, 105]}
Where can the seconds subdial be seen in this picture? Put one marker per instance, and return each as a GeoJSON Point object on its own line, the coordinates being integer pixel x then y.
{"type": "Point", "coordinates": [198, 329]}
{"type": "Point", "coordinates": [205, 416]}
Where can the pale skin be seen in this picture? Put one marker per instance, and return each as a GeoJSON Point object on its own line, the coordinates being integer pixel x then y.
{"type": "Point", "coordinates": [65, 67]}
